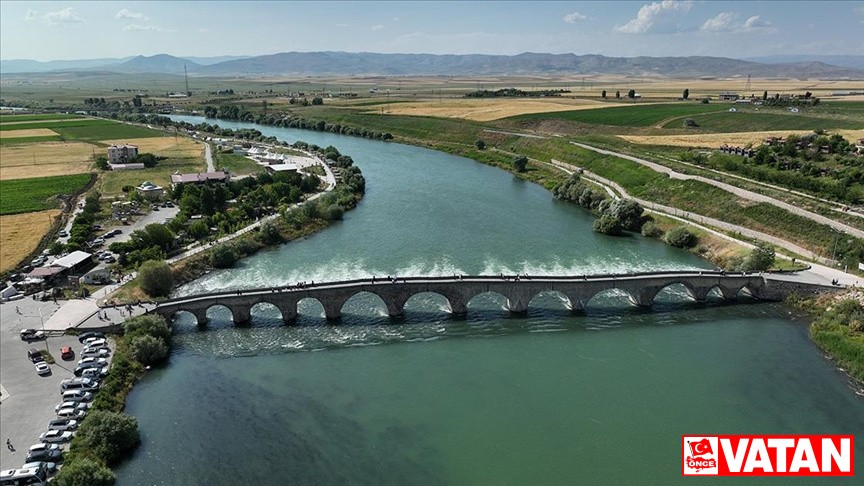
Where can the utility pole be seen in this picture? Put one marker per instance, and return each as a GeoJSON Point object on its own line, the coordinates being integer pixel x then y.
{"type": "Point", "coordinates": [186, 75]}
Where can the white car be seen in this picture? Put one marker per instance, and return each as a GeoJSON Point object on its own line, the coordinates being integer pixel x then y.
{"type": "Point", "coordinates": [92, 362]}
{"type": "Point", "coordinates": [95, 342]}
{"type": "Point", "coordinates": [71, 413]}
{"type": "Point", "coordinates": [95, 372]}
{"type": "Point", "coordinates": [56, 436]}
{"type": "Point", "coordinates": [63, 424]}
{"type": "Point", "coordinates": [43, 447]}
{"type": "Point", "coordinates": [95, 352]}
{"type": "Point", "coordinates": [77, 396]}
{"type": "Point", "coordinates": [74, 405]}
{"type": "Point", "coordinates": [43, 369]}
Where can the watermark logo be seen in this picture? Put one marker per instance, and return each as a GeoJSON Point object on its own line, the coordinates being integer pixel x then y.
{"type": "Point", "coordinates": [699, 456]}
{"type": "Point", "coordinates": [768, 455]}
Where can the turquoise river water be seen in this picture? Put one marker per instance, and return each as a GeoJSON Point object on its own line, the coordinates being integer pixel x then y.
{"type": "Point", "coordinates": [555, 397]}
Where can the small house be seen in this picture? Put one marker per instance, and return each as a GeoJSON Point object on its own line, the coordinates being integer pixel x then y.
{"type": "Point", "coordinates": [728, 96]}
{"type": "Point", "coordinates": [122, 154]}
{"type": "Point", "coordinates": [150, 191]}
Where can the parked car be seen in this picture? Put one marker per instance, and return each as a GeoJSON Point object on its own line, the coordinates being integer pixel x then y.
{"type": "Point", "coordinates": [50, 467]}
{"type": "Point", "coordinates": [32, 335]}
{"type": "Point", "coordinates": [42, 368]}
{"type": "Point", "coordinates": [86, 384]}
{"type": "Point", "coordinates": [95, 352]}
{"type": "Point", "coordinates": [67, 353]}
{"type": "Point", "coordinates": [63, 233]}
{"type": "Point", "coordinates": [75, 405]}
{"type": "Point", "coordinates": [90, 334]}
{"type": "Point", "coordinates": [95, 341]}
{"type": "Point", "coordinates": [92, 362]}
{"type": "Point", "coordinates": [55, 436]}
{"type": "Point", "coordinates": [42, 446]}
{"type": "Point", "coordinates": [52, 455]}
{"type": "Point", "coordinates": [109, 259]}
{"type": "Point", "coordinates": [35, 355]}
{"type": "Point", "coordinates": [63, 424]}
{"type": "Point", "coordinates": [71, 413]}
{"type": "Point", "coordinates": [77, 396]}
{"type": "Point", "coordinates": [95, 372]}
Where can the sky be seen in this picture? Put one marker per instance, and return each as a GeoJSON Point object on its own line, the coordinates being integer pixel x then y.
{"type": "Point", "coordinates": [87, 30]}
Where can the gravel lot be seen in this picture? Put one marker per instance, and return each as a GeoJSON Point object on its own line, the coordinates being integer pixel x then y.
{"type": "Point", "coordinates": [28, 400]}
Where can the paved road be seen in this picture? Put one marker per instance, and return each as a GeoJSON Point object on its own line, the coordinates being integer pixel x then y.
{"type": "Point", "coordinates": [823, 274]}
{"type": "Point", "coordinates": [753, 196]}
{"type": "Point", "coordinates": [208, 156]}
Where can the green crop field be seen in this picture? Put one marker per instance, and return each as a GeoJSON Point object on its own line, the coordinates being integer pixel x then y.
{"type": "Point", "coordinates": [27, 195]}
{"type": "Point", "coordinates": [108, 131]}
{"type": "Point", "coordinates": [47, 116]}
{"type": "Point", "coordinates": [749, 121]}
{"type": "Point", "coordinates": [628, 116]}
{"type": "Point", "coordinates": [22, 140]}
{"type": "Point", "coordinates": [83, 122]}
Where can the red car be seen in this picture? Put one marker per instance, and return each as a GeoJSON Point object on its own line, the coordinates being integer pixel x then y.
{"type": "Point", "coordinates": [66, 352]}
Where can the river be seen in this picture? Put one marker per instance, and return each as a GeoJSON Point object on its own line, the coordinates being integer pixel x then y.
{"type": "Point", "coordinates": [555, 397]}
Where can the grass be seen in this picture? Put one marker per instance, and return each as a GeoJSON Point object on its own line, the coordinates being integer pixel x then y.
{"type": "Point", "coordinates": [20, 235]}
{"type": "Point", "coordinates": [47, 116]}
{"type": "Point", "coordinates": [29, 140]}
{"type": "Point", "coordinates": [29, 133]}
{"type": "Point", "coordinates": [237, 164]}
{"type": "Point", "coordinates": [756, 122]}
{"type": "Point", "coordinates": [83, 122]}
{"type": "Point", "coordinates": [28, 195]}
{"type": "Point", "coordinates": [111, 130]}
{"type": "Point", "coordinates": [628, 116]}
{"type": "Point", "coordinates": [111, 183]}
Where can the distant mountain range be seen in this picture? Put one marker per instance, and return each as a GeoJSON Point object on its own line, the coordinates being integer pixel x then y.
{"type": "Point", "coordinates": [362, 63]}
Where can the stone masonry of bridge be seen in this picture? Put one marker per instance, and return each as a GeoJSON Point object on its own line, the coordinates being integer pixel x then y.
{"type": "Point", "coordinates": [459, 290]}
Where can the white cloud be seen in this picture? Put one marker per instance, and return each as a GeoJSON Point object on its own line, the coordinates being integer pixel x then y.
{"type": "Point", "coordinates": [723, 22]}
{"type": "Point", "coordinates": [340, 25]}
{"type": "Point", "coordinates": [203, 29]}
{"type": "Point", "coordinates": [142, 28]}
{"type": "Point", "coordinates": [574, 17]}
{"type": "Point", "coordinates": [378, 27]}
{"type": "Point", "coordinates": [755, 23]}
{"type": "Point", "coordinates": [31, 15]}
{"type": "Point", "coordinates": [128, 14]}
{"type": "Point", "coordinates": [60, 17]}
{"type": "Point", "coordinates": [649, 15]}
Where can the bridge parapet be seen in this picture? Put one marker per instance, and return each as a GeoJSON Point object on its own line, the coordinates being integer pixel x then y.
{"type": "Point", "coordinates": [519, 291]}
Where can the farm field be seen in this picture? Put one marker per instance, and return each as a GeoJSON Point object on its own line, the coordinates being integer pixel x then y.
{"type": "Point", "coordinates": [637, 115]}
{"type": "Point", "coordinates": [28, 133]}
{"type": "Point", "coordinates": [20, 235]}
{"type": "Point", "coordinates": [4, 118]}
{"type": "Point", "coordinates": [236, 164]}
{"type": "Point", "coordinates": [714, 140]}
{"type": "Point", "coordinates": [27, 140]}
{"type": "Point", "coordinates": [44, 159]}
{"type": "Point", "coordinates": [28, 195]}
{"type": "Point", "coordinates": [33, 122]}
{"type": "Point", "coordinates": [110, 131]}
{"type": "Point", "coordinates": [486, 109]}
{"type": "Point", "coordinates": [83, 122]}
{"type": "Point", "coordinates": [753, 121]}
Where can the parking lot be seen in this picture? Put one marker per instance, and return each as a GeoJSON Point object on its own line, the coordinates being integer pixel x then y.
{"type": "Point", "coordinates": [28, 400]}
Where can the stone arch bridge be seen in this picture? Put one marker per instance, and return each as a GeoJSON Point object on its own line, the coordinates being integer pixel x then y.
{"type": "Point", "coordinates": [641, 289]}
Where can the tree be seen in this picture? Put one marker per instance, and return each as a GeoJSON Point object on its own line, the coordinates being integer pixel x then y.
{"type": "Point", "coordinates": [480, 144]}
{"type": "Point", "coordinates": [608, 225]}
{"type": "Point", "coordinates": [147, 325]}
{"type": "Point", "coordinates": [603, 94]}
{"type": "Point", "coordinates": [148, 350]}
{"type": "Point", "coordinates": [631, 94]}
{"type": "Point", "coordinates": [223, 256]}
{"type": "Point", "coordinates": [84, 472]}
{"type": "Point", "coordinates": [628, 213]}
{"type": "Point", "coordinates": [317, 101]}
{"type": "Point", "coordinates": [269, 234]}
{"type": "Point", "coordinates": [109, 435]}
{"type": "Point", "coordinates": [681, 237]}
{"type": "Point", "coordinates": [198, 229]}
{"type": "Point", "coordinates": [520, 163]}
{"type": "Point", "coordinates": [765, 95]}
{"type": "Point", "coordinates": [156, 278]}
{"type": "Point", "coordinates": [686, 94]}
{"type": "Point", "coordinates": [617, 93]}
{"type": "Point", "coordinates": [760, 258]}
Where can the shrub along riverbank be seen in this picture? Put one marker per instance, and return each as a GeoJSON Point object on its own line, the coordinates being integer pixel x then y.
{"type": "Point", "coordinates": [107, 435]}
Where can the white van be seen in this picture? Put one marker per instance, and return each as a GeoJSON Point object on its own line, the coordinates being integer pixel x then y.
{"type": "Point", "coordinates": [35, 476]}
{"type": "Point", "coordinates": [78, 384]}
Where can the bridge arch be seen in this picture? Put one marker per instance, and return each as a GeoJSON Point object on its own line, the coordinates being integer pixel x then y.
{"type": "Point", "coordinates": [670, 289]}
{"type": "Point", "coordinates": [611, 297]}
{"type": "Point", "coordinates": [556, 297]}
{"type": "Point", "coordinates": [428, 302]}
{"type": "Point", "coordinates": [489, 300]}
{"type": "Point", "coordinates": [264, 309]}
{"type": "Point", "coordinates": [308, 309]}
{"type": "Point", "coordinates": [235, 313]}
{"type": "Point", "coordinates": [370, 303]}
{"type": "Point", "coordinates": [199, 318]}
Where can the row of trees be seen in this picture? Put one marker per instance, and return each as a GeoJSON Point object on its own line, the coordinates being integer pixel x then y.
{"type": "Point", "coordinates": [630, 94]}
{"type": "Point", "coordinates": [82, 227]}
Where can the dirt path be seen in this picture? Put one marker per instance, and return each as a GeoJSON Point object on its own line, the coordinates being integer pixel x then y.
{"type": "Point", "coordinates": [753, 196]}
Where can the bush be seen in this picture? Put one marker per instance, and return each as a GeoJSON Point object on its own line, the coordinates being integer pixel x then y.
{"type": "Point", "coordinates": [651, 230]}
{"type": "Point", "coordinates": [156, 278]}
{"type": "Point", "coordinates": [269, 234]}
{"type": "Point", "coordinates": [480, 144]}
{"type": "Point", "coordinates": [108, 435]}
{"type": "Point", "coordinates": [608, 225]}
{"type": "Point", "coordinates": [333, 212]}
{"type": "Point", "coordinates": [147, 325]}
{"type": "Point", "coordinates": [689, 122]}
{"type": "Point", "coordinates": [84, 472]}
{"type": "Point", "coordinates": [520, 163]}
{"type": "Point", "coordinates": [761, 258]}
{"type": "Point", "coordinates": [148, 350]}
{"type": "Point", "coordinates": [681, 237]}
{"type": "Point", "coordinates": [223, 256]}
